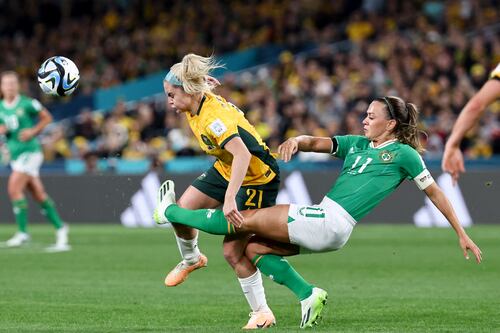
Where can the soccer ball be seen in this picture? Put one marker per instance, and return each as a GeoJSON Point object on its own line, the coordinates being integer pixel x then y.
{"type": "Point", "coordinates": [58, 76]}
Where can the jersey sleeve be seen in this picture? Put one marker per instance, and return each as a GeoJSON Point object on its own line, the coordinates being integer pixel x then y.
{"type": "Point", "coordinates": [495, 74]}
{"type": "Point", "coordinates": [414, 166]}
{"type": "Point", "coordinates": [344, 144]}
{"type": "Point", "coordinates": [221, 130]}
{"type": "Point", "coordinates": [34, 107]}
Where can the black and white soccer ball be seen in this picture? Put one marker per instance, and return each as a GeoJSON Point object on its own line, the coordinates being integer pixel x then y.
{"type": "Point", "coordinates": [58, 76]}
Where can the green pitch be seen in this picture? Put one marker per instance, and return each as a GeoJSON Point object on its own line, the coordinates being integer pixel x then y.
{"type": "Point", "coordinates": [387, 279]}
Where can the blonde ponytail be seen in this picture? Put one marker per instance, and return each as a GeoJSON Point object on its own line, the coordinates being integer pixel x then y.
{"type": "Point", "coordinates": [192, 72]}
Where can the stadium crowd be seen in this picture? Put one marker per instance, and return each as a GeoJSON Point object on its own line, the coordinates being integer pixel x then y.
{"type": "Point", "coordinates": [436, 59]}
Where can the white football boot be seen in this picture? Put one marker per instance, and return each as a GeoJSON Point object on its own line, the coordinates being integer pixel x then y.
{"type": "Point", "coordinates": [312, 307]}
{"type": "Point", "coordinates": [62, 243]}
{"type": "Point", "coordinates": [165, 198]}
{"type": "Point", "coordinates": [18, 239]}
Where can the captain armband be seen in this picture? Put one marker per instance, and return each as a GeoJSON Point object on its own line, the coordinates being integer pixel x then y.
{"type": "Point", "coordinates": [424, 179]}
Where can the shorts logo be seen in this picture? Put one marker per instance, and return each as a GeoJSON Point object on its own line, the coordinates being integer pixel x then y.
{"type": "Point", "coordinates": [386, 156]}
{"type": "Point", "coordinates": [309, 211]}
{"type": "Point", "coordinates": [207, 141]}
{"type": "Point", "coordinates": [202, 176]}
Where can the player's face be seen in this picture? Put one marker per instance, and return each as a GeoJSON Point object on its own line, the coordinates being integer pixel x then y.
{"type": "Point", "coordinates": [376, 125]}
{"type": "Point", "coordinates": [177, 99]}
{"type": "Point", "coordinates": [9, 86]}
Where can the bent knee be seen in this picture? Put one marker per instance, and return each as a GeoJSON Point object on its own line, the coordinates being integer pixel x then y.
{"type": "Point", "coordinates": [252, 250]}
{"type": "Point", "coordinates": [232, 254]}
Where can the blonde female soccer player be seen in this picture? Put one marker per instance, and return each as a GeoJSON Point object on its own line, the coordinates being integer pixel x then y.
{"type": "Point", "coordinates": [21, 120]}
{"type": "Point", "coordinates": [244, 176]}
{"type": "Point", "coordinates": [374, 166]}
{"type": "Point", "coordinates": [453, 159]}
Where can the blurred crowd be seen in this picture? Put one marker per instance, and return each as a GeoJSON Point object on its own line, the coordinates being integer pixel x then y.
{"type": "Point", "coordinates": [435, 54]}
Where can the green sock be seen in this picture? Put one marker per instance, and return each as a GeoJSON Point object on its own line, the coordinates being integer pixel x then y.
{"type": "Point", "coordinates": [20, 208]}
{"type": "Point", "coordinates": [280, 271]}
{"type": "Point", "coordinates": [50, 211]}
{"type": "Point", "coordinates": [208, 220]}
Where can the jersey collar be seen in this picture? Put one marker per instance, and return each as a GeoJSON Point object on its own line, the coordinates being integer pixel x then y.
{"type": "Point", "coordinates": [385, 144]}
{"type": "Point", "coordinates": [11, 104]}
{"type": "Point", "coordinates": [201, 105]}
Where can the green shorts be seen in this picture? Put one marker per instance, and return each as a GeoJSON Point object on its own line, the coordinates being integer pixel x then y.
{"type": "Point", "coordinates": [214, 185]}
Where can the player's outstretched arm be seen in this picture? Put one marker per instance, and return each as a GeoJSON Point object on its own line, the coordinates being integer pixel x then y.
{"type": "Point", "coordinates": [453, 161]}
{"type": "Point", "coordinates": [443, 204]}
{"type": "Point", "coordinates": [304, 143]}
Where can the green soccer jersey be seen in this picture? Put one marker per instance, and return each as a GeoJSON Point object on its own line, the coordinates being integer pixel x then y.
{"type": "Point", "coordinates": [370, 174]}
{"type": "Point", "coordinates": [22, 113]}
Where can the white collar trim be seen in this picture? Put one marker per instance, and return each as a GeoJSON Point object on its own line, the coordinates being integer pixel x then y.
{"type": "Point", "coordinates": [11, 104]}
{"type": "Point", "coordinates": [385, 144]}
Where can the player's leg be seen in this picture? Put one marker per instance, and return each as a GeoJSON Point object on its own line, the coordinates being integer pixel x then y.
{"type": "Point", "coordinates": [269, 222]}
{"type": "Point", "coordinates": [248, 198]}
{"type": "Point", "coordinates": [268, 257]}
{"type": "Point", "coordinates": [15, 188]}
{"type": "Point", "coordinates": [187, 237]}
{"type": "Point", "coordinates": [49, 210]}
{"type": "Point", "coordinates": [250, 281]}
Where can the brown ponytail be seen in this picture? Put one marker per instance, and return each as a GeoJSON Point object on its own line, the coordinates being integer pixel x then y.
{"type": "Point", "coordinates": [406, 116]}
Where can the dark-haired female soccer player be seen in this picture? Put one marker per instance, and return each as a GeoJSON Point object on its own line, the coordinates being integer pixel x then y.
{"type": "Point", "coordinates": [374, 166]}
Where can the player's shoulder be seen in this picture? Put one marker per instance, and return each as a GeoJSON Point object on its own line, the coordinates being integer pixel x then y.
{"type": "Point", "coordinates": [405, 152]}
{"type": "Point", "coordinates": [354, 140]}
{"type": "Point", "coordinates": [25, 99]}
{"type": "Point", "coordinates": [211, 106]}
{"type": "Point", "coordinates": [216, 107]}
{"type": "Point", "coordinates": [495, 74]}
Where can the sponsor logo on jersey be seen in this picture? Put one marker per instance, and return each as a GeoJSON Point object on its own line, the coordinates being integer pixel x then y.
{"type": "Point", "coordinates": [386, 156]}
{"type": "Point", "coordinates": [207, 141]}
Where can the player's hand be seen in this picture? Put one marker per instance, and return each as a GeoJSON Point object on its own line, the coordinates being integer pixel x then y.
{"type": "Point", "coordinates": [3, 129]}
{"type": "Point", "coordinates": [232, 214]}
{"type": "Point", "coordinates": [453, 162]}
{"type": "Point", "coordinates": [468, 245]}
{"type": "Point", "coordinates": [212, 81]}
{"type": "Point", "coordinates": [26, 134]}
{"type": "Point", "coordinates": [288, 148]}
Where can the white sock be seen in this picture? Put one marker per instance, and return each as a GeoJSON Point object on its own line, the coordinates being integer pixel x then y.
{"type": "Point", "coordinates": [254, 292]}
{"type": "Point", "coordinates": [189, 249]}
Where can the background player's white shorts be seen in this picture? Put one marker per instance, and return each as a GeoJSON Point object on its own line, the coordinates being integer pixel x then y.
{"type": "Point", "coordinates": [319, 228]}
{"type": "Point", "coordinates": [28, 163]}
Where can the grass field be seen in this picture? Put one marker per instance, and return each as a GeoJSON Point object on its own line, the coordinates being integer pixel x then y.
{"type": "Point", "coordinates": [387, 279]}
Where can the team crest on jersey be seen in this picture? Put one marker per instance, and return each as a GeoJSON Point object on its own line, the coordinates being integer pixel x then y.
{"type": "Point", "coordinates": [20, 112]}
{"type": "Point", "coordinates": [386, 156]}
{"type": "Point", "coordinates": [207, 141]}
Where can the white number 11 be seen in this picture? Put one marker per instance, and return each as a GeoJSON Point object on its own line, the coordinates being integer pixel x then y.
{"type": "Point", "coordinates": [363, 166]}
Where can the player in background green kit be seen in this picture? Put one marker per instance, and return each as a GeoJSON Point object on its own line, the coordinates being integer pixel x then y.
{"type": "Point", "coordinates": [374, 166]}
{"type": "Point", "coordinates": [21, 120]}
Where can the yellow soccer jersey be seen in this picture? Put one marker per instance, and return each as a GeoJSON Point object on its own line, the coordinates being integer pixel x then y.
{"type": "Point", "coordinates": [217, 122]}
{"type": "Point", "coordinates": [495, 74]}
